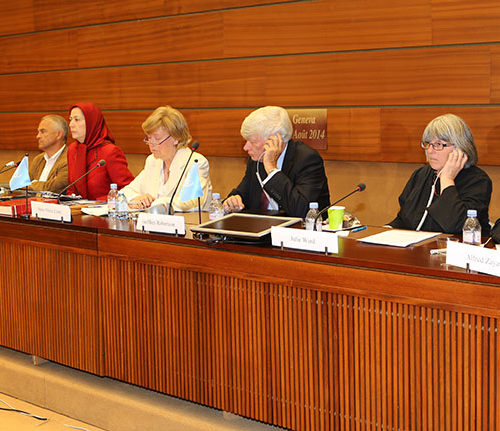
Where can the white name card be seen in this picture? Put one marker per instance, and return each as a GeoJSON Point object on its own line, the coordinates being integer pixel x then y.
{"type": "Point", "coordinates": [305, 239]}
{"type": "Point", "coordinates": [161, 223]}
{"type": "Point", "coordinates": [479, 259]}
{"type": "Point", "coordinates": [50, 211]}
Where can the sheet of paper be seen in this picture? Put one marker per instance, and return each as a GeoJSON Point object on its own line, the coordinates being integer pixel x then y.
{"type": "Point", "coordinates": [96, 210]}
{"type": "Point", "coordinates": [398, 237]}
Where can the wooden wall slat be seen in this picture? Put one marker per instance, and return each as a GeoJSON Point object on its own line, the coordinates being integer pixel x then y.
{"type": "Point", "coordinates": [460, 21]}
{"type": "Point", "coordinates": [327, 26]}
{"type": "Point", "coordinates": [420, 76]}
{"type": "Point", "coordinates": [320, 26]}
{"type": "Point", "coordinates": [37, 15]}
{"type": "Point", "coordinates": [16, 17]}
{"type": "Point", "coordinates": [355, 134]}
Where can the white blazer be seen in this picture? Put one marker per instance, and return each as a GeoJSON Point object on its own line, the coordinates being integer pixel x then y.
{"type": "Point", "coordinates": [150, 181]}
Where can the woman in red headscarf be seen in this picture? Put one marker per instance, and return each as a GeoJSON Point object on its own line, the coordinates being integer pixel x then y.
{"type": "Point", "coordinates": [94, 142]}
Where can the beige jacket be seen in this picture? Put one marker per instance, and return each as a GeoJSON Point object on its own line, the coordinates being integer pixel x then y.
{"type": "Point", "coordinates": [58, 176]}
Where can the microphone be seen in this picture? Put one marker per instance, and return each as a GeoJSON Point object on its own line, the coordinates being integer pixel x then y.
{"type": "Point", "coordinates": [10, 165]}
{"type": "Point", "coordinates": [99, 164]}
{"type": "Point", "coordinates": [359, 188]}
{"type": "Point", "coordinates": [194, 147]}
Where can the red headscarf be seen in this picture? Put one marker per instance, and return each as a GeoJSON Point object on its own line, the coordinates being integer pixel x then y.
{"type": "Point", "coordinates": [97, 133]}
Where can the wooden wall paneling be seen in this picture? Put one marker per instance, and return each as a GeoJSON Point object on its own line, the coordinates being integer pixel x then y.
{"type": "Point", "coordinates": [402, 128]}
{"type": "Point", "coordinates": [39, 15]}
{"type": "Point", "coordinates": [193, 37]}
{"type": "Point", "coordinates": [353, 134]}
{"type": "Point", "coordinates": [297, 28]}
{"type": "Point", "coordinates": [40, 51]}
{"type": "Point", "coordinates": [419, 76]}
{"type": "Point", "coordinates": [464, 22]}
{"type": "Point", "coordinates": [326, 26]}
{"type": "Point", "coordinates": [16, 17]}
{"type": "Point", "coordinates": [495, 75]}
{"type": "Point", "coordinates": [361, 134]}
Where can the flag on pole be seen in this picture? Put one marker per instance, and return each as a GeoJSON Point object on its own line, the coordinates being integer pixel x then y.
{"type": "Point", "coordinates": [191, 189]}
{"type": "Point", "coordinates": [21, 177]}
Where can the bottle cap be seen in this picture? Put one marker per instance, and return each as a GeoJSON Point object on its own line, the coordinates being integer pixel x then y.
{"type": "Point", "coordinates": [313, 205]}
{"type": "Point", "coordinates": [215, 195]}
{"type": "Point", "coordinates": [471, 213]}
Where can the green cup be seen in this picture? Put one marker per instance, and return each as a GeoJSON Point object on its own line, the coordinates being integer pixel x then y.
{"type": "Point", "coordinates": [336, 217]}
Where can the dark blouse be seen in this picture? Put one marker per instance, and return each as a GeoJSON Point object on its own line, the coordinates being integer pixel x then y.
{"type": "Point", "coordinates": [448, 210]}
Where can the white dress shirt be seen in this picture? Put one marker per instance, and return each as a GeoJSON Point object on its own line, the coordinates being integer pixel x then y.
{"type": "Point", "coordinates": [151, 180]}
{"type": "Point", "coordinates": [49, 164]}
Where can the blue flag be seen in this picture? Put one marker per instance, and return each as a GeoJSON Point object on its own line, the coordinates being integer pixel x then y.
{"type": "Point", "coordinates": [21, 177]}
{"type": "Point", "coordinates": [191, 189]}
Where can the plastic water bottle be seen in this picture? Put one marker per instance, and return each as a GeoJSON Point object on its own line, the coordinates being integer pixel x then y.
{"type": "Point", "coordinates": [121, 206]}
{"type": "Point", "coordinates": [471, 233]}
{"type": "Point", "coordinates": [311, 216]}
{"type": "Point", "coordinates": [215, 210]}
{"type": "Point", "coordinates": [113, 193]}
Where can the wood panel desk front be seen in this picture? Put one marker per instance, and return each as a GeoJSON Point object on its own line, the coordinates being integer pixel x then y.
{"type": "Point", "coordinates": [371, 338]}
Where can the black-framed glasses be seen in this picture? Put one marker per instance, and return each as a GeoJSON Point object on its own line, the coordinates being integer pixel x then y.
{"type": "Point", "coordinates": [147, 141]}
{"type": "Point", "coordinates": [437, 146]}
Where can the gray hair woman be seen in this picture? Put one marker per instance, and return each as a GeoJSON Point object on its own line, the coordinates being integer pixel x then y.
{"type": "Point", "coordinates": [438, 195]}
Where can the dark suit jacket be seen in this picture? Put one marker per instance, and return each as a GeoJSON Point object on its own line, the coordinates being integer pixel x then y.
{"type": "Point", "coordinates": [495, 233]}
{"type": "Point", "coordinates": [58, 176]}
{"type": "Point", "coordinates": [302, 179]}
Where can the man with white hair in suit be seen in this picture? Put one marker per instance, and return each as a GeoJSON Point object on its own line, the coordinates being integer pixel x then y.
{"type": "Point", "coordinates": [282, 175]}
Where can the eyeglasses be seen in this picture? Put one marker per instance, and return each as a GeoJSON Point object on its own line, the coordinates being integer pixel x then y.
{"type": "Point", "coordinates": [437, 146]}
{"type": "Point", "coordinates": [147, 141]}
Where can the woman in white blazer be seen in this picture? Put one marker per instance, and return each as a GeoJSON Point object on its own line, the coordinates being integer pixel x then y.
{"type": "Point", "coordinates": [167, 135]}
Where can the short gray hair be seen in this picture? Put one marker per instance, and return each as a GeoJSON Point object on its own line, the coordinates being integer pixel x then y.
{"type": "Point", "coordinates": [59, 123]}
{"type": "Point", "coordinates": [451, 128]}
{"type": "Point", "coordinates": [267, 121]}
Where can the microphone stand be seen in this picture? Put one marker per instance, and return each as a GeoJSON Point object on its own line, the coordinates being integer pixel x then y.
{"type": "Point", "coordinates": [8, 168]}
{"type": "Point", "coordinates": [359, 188]}
{"type": "Point", "coordinates": [193, 149]}
{"type": "Point", "coordinates": [74, 182]}
{"type": "Point", "coordinates": [26, 214]}
{"type": "Point", "coordinates": [199, 210]}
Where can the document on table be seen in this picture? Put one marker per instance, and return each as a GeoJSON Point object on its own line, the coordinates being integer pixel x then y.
{"type": "Point", "coordinates": [398, 237]}
{"type": "Point", "coordinates": [96, 210]}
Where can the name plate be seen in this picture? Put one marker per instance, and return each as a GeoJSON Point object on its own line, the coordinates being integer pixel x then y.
{"type": "Point", "coordinates": [305, 239]}
{"type": "Point", "coordinates": [479, 259]}
{"type": "Point", "coordinates": [50, 211]}
{"type": "Point", "coordinates": [161, 223]}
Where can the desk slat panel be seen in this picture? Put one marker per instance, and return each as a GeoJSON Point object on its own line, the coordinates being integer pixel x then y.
{"type": "Point", "coordinates": [50, 305]}
{"type": "Point", "coordinates": [296, 357]}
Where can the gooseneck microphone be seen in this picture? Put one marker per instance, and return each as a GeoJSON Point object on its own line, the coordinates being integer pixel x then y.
{"type": "Point", "coordinates": [99, 164]}
{"type": "Point", "coordinates": [359, 188]}
{"type": "Point", "coordinates": [10, 165]}
{"type": "Point", "coordinates": [193, 149]}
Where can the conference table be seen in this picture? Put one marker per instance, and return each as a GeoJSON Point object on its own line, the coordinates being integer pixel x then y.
{"type": "Point", "coordinates": [371, 337]}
